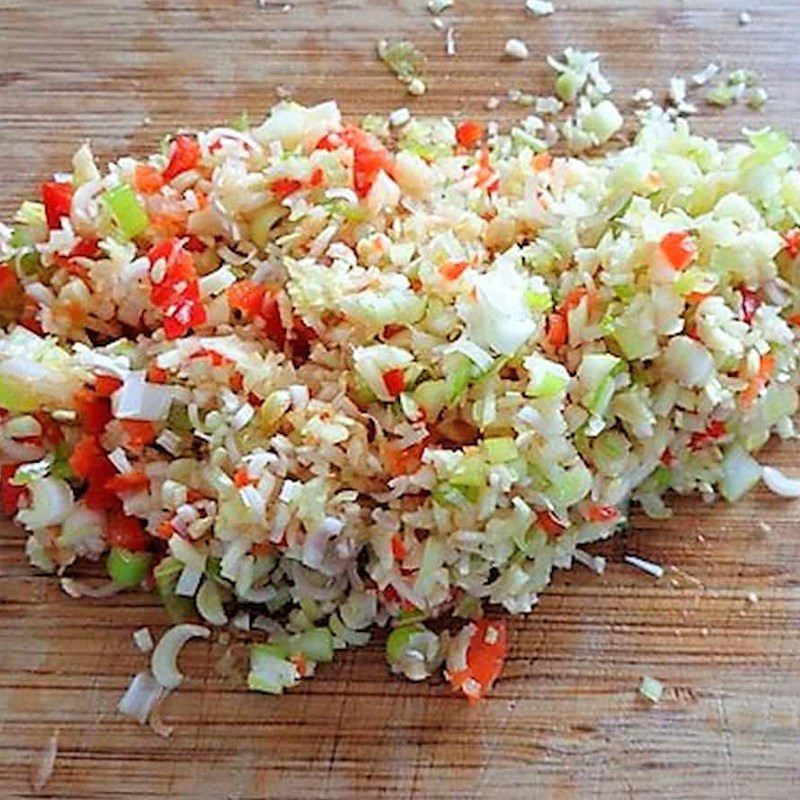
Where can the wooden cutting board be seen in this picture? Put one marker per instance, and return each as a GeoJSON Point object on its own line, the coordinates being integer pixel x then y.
{"type": "Point", "coordinates": [565, 722]}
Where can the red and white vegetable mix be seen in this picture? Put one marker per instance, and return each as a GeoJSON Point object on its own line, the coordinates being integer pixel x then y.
{"type": "Point", "coordinates": [313, 378]}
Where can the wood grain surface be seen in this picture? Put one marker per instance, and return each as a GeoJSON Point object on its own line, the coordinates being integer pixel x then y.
{"type": "Point", "coordinates": [565, 722]}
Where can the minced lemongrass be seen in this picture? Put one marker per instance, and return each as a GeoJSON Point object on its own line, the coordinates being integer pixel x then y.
{"type": "Point", "coordinates": [651, 689]}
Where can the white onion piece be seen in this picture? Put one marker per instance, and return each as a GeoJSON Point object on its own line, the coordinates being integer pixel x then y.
{"type": "Point", "coordinates": [77, 589]}
{"type": "Point", "coordinates": [140, 697]}
{"type": "Point", "coordinates": [143, 639]}
{"type": "Point", "coordinates": [188, 555]}
{"type": "Point", "coordinates": [165, 655]}
{"type": "Point", "coordinates": [139, 400]}
{"type": "Point", "coordinates": [188, 582]}
{"type": "Point", "coordinates": [51, 502]}
{"type": "Point", "coordinates": [47, 762]}
{"type": "Point", "coordinates": [780, 484]}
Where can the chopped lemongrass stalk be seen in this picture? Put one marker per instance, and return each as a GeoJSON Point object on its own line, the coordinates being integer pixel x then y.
{"type": "Point", "coordinates": [651, 689]}
{"type": "Point", "coordinates": [656, 570]}
{"type": "Point", "coordinates": [143, 639]}
{"type": "Point", "coordinates": [126, 210]}
{"type": "Point", "coordinates": [165, 654]}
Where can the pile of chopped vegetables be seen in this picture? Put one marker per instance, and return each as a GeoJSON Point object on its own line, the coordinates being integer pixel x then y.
{"type": "Point", "coordinates": [311, 378]}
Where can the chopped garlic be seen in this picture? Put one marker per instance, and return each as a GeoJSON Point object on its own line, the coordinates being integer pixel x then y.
{"type": "Point", "coordinates": [517, 49]}
{"type": "Point", "coordinates": [416, 87]}
{"type": "Point", "coordinates": [437, 6]}
{"type": "Point", "coordinates": [539, 8]}
{"type": "Point", "coordinates": [399, 117]}
{"type": "Point", "coordinates": [745, 18]}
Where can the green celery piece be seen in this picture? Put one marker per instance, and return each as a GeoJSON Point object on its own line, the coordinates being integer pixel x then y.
{"type": "Point", "coordinates": [126, 209]}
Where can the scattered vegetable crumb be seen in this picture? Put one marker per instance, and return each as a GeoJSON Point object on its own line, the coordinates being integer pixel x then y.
{"type": "Point", "coordinates": [417, 87]}
{"type": "Point", "coordinates": [643, 95]}
{"type": "Point", "coordinates": [656, 570]}
{"type": "Point", "coordinates": [765, 527]}
{"type": "Point", "coordinates": [450, 42]}
{"type": "Point", "coordinates": [651, 689]}
{"type": "Point", "coordinates": [752, 597]}
{"type": "Point", "coordinates": [438, 6]}
{"type": "Point", "coordinates": [492, 103]}
{"type": "Point", "coordinates": [539, 8]}
{"type": "Point", "coordinates": [703, 77]}
{"type": "Point", "coordinates": [517, 49]}
{"type": "Point", "coordinates": [745, 18]}
{"type": "Point", "coordinates": [46, 763]}
{"type": "Point", "coordinates": [405, 60]}
{"type": "Point", "coordinates": [143, 639]}
{"type": "Point", "coordinates": [399, 117]}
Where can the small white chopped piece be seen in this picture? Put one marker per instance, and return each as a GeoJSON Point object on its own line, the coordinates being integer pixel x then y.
{"type": "Point", "coordinates": [656, 570]}
{"type": "Point", "coordinates": [241, 621]}
{"type": "Point", "coordinates": [143, 639]}
{"type": "Point", "coordinates": [416, 87]}
{"type": "Point", "coordinates": [437, 6]}
{"type": "Point", "coordinates": [492, 103]}
{"type": "Point", "coordinates": [516, 49]}
{"type": "Point", "coordinates": [491, 636]}
{"type": "Point", "coordinates": [46, 764]}
{"type": "Point", "coordinates": [547, 105]}
{"type": "Point", "coordinates": [539, 8]}
{"type": "Point", "coordinates": [643, 95]}
{"type": "Point", "coordinates": [765, 527]}
{"type": "Point", "coordinates": [702, 78]}
{"type": "Point", "coordinates": [595, 563]}
{"type": "Point", "coordinates": [704, 632]}
{"type": "Point", "coordinates": [399, 117]}
{"type": "Point", "coordinates": [780, 484]}
{"type": "Point", "coordinates": [756, 98]}
{"type": "Point", "coordinates": [745, 18]}
{"type": "Point", "coordinates": [752, 597]}
{"type": "Point", "coordinates": [119, 458]}
{"type": "Point", "coordinates": [450, 42]}
{"type": "Point", "coordinates": [437, 23]}
{"type": "Point", "coordinates": [651, 689]}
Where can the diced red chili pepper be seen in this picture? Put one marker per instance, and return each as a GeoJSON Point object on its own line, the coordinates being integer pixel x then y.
{"type": "Point", "coordinates": [557, 330]}
{"type": "Point", "coordinates": [9, 494]}
{"type": "Point", "coordinates": [792, 239]}
{"type": "Point", "coordinates": [402, 461]}
{"type": "Point", "coordinates": [86, 247]}
{"type": "Point", "coordinates": [542, 161]}
{"type": "Point", "coordinates": [549, 523]}
{"type": "Point", "coordinates": [90, 463]}
{"type": "Point", "coordinates": [126, 532]}
{"type": "Point", "coordinates": [750, 303]}
{"type": "Point", "coordinates": [94, 410]}
{"type": "Point", "coordinates": [57, 199]}
{"type": "Point", "coordinates": [184, 155]}
{"type": "Point", "coordinates": [241, 478]}
{"type": "Point", "coordinates": [283, 187]}
{"type": "Point", "coordinates": [596, 512]}
{"type": "Point", "coordinates": [394, 380]}
{"type": "Point", "coordinates": [486, 655]}
{"type": "Point", "coordinates": [156, 374]}
{"type": "Point", "coordinates": [317, 177]}
{"type": "Point", "coordinates": [138, 432]}
{"type": "Point", "coordinates": [51, 430]}
{"type": "Point", "coordinates": [399, 549]}
{"type": "Point", "coordinates": [106, 385]}
{"type": "Point", "coordinates": [134, 481]}
{"type": "Point", "coordinates": [679, 249]}
{"type": "Point", "coordinates": [714, 430]}
{"type": "Point", "coordinates": [452, 270]}
{"type": "Point", "coordinates": [469, 133]}
{"type": "Point", "coordinates": [147, 179]}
